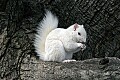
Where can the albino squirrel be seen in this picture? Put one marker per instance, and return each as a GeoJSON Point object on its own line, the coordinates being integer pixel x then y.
{"type": "Point", "coordinates": [58, 44]}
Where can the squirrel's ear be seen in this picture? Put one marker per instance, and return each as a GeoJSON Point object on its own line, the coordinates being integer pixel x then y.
{"type": "Point", "coordinates": [81, 25]}
{"type": "Point", "coordinates": [75, 26]}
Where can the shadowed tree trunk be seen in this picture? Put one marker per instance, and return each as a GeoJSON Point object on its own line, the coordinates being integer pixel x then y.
{"type": "Point", "coordinates": [3, 5]}
{"type": "Point", "coordinates": [18, 21]}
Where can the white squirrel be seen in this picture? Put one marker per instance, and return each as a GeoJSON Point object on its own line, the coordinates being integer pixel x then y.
{"type": "Point", "coordinates": [58, 44]}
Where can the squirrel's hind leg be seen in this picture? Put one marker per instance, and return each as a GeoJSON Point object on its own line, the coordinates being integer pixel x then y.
{"type": "Point", "coordinates": [68, 58]}
{"type": "Point", "coordinates": [72, 60]}
{"type": "Point", "coordinates": [54, 51]}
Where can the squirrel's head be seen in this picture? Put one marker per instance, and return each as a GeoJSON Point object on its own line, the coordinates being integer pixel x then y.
{"type": "Point", "coordinates": [78, 33]}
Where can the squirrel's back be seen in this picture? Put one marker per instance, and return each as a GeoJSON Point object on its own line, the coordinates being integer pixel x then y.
{"type": "Point", "coordinates": [49, 23]}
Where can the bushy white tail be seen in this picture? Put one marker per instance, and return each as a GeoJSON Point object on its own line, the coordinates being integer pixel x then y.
{"type": "Point", "coordinates": [48, 23]}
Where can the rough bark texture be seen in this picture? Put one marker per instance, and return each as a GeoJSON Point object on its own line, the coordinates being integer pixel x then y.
{"type": "Point", "coordinates": [18, 21]}
{"type": "Point", "coordinates": [80, 70]}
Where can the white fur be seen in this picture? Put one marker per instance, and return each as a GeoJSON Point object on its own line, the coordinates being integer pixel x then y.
{"type": "Point", "coordinates": [66, 61]}
{"type": "Point", "coordinates": [48, 23]}
{"type": "Point", "coordinates": [58, 44]}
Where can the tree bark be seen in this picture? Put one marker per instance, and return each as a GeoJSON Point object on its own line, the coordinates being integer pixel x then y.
{"type": "Point", "coordinates": [3, 4]}
{"type": "Point", "coordinates": [89, 69]}
{"type": "Point", "coordinates": [18, 21]}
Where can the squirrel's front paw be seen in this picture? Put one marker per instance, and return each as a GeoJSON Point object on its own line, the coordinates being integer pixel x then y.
{"type": "Point", "coordinates": [65, 61]}
{"type": "Point", "coordinates": [82, 46]}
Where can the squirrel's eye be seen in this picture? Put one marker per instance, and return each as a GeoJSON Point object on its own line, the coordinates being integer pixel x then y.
{"type": "Point", "coordinates": [79, 33]}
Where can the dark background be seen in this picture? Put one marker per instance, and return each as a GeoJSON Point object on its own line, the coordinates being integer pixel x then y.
{"type": "Point", "coordinates": [19, 18]}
